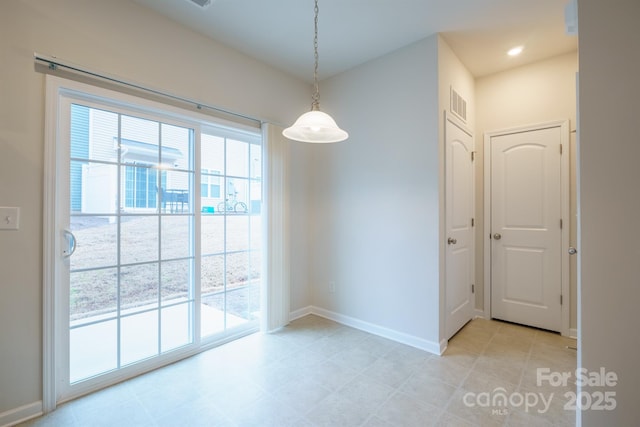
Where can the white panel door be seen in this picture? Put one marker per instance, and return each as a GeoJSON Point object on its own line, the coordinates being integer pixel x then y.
{"type": "Point", "coordinates": [526, 236]}
{"type": "Point", "coordinates": [459, 214]}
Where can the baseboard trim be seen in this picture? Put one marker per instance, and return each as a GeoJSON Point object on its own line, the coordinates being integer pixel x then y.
{"type": "Point", "coordinates": [21, 414]}
{"type": "Point", "coordinates": [573, 333]}
{"type": "Point", "coordinates": [480, 314]}
{"type": "Point", "coordinates": [413, 341]}
{"type": "Point", "coordinates": [301, 312]}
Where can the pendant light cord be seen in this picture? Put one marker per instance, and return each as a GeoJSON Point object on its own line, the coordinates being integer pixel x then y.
{"type": "Point", "coordinates": [315, 104]}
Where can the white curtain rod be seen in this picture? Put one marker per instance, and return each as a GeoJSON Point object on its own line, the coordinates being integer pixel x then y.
{"type": "Point", "coordinates": [54, 63]}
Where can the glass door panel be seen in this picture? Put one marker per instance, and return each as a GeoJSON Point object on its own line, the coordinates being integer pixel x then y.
{"type": "Point", "coordinates": [129, 200]}
{"type": "Point", "coordinates": [131, 279]}
{"type": "Point", "coordinates": [230, 290]}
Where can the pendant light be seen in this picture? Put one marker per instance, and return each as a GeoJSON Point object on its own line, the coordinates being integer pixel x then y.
{"type": "Point", "coordinates": [315, 126]}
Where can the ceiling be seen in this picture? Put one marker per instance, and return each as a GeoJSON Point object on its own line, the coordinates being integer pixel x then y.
{"type": "Point", "coordinates": [351, 32]}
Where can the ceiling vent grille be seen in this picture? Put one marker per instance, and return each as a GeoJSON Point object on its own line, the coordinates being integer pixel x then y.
{"type": "Point", "coordinates": [458, 105]}
{"type": "Point", "coordinates": [202, 3]}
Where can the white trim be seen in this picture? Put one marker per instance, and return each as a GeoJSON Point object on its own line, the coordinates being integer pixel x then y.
{"type": "Point", "coordinates": [21, 414]}
{"type": "Point", "coordinates": [401, 337]}
{"type": "Point", "coordinates": [479, 314]}
{"type": "Point", "coordinates": [566, 216]}
{"type": "Point", "coordinates": [301, 312]}
{"type": "Point", "coordinates": [565, 200]}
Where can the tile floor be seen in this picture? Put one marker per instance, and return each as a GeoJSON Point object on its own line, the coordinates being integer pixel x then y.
{"type": "Point", "coordinates": [316, 372]}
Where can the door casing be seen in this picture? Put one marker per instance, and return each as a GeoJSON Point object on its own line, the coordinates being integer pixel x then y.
{"type": "Point", "coordinates": [566, 217]}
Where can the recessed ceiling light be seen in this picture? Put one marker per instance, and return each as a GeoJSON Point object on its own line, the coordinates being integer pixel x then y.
{"type": "Point", "coordinates": [515, 51]}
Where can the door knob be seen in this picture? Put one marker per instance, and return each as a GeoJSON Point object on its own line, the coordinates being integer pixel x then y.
{"type": "Point", "coordinates": [451, 241]}
{"type": "Point", "coordinates": [497, 236]}
{"type": "Point", "coordinates": [572, 250]}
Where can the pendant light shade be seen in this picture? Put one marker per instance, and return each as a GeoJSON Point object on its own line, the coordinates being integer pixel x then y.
{"type": "Point", "coordinates": [315, 126]}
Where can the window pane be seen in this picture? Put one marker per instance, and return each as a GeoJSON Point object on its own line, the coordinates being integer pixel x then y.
{"type": "Point", "coordinates": [139, 337]}
{"type": "Point", "coordinates": [92, 294]}
{"type": "Point", "coordinates": [212, 153]}
{"type": "Point", "coordinates": [212, 234]}
{"type": "Point", "coordinates": [93, 134]}
{"type": "Point", "coordinates": [93, 350]}
{"type": "Point", "coordinates": [212, 317]}
{"type": "Point", "coordinates": [139, 140]}
{"type": "Point", "coordinates": [236, 195]}
{"type": "Point", "coordinates": [145, 135]}
{"type": "Point", "coordinates": [176, 147]}
{"type": "Point", "coordinates": [140, 188]}
{"type": "Point", "coordinates": [256, 161]}
{"type": "Point", "coordinates": [255, 195]}
{"type": "Point", "coordinates": [176, 276]}
{"type": "Point", "coordinates": [176, 237]}
{"type": "Point", "coordinates": [237, 269]}
{"type": "Point", "coordinates": [139, 287]}
{"type": "Point", "coordinates": [176, 330]}
{"type": "Point", "coordinates": [255, 238]}
{"type": "Point", "coordinates": [256, 268]}
{"type": "Point", "coordinates": [177, 194]}
{"type": "Point", "coordinates": [212, 271]}
{"type": "Point", "coordinates": [237, 233]}
{"type": "Point", "coordinates": [237, 158]}
{"type": "Point", "coordinates": [242, 305]}
{"type": "Point", "coordinates": [96, 238]}
{"type": "Point", "coordinates": [138, 239]}
{"type": "Point", "coordinates": [93, 187]}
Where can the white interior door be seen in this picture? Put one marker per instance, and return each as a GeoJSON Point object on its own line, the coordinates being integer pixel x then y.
{"type": "Point", "coordinates": [459, 214]}
{"type": "Point", "coordinates": [526, 235]}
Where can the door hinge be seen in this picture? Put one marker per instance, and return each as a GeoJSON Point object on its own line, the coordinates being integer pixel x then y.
{"type": "Point", "coordinates": [560, 299]}
{"type": "Point", "coordinates": [473, 222]}
{"type": "Point", "coordinates": [473, 289]}
{"type": "Point", "coordinates": [473, 156]}
{"type": "Point", "coordinates": [560, 223]}
{"type": "Point", "coordinates": [560, 149]}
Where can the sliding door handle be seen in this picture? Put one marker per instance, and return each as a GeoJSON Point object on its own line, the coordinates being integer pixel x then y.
{"type": "Point", "coordinates": [71, 243]}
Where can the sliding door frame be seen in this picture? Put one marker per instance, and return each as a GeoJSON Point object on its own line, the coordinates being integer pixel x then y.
{"type": "Point", "coordinates": [56, 88]}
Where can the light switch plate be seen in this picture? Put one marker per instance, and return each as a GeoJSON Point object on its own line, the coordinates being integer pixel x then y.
{"type": "Point", "coordinates": [9, 218]}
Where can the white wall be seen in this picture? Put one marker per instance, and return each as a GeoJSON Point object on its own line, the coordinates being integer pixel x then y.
{"type": "Point", "coordinates": [375, 217]}
{"type": "Point", "coordinates": [115, 37]}
{"type": "Point", "coordinates": [540, 92]}
{"type": "Point", "coordinates": [609, 149]}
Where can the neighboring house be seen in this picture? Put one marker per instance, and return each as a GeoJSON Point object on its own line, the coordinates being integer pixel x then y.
{"type": "Point", "coordinates": [153, 174]}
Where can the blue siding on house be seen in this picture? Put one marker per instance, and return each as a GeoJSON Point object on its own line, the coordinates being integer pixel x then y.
{"type": "Point", "coordinates": [79, 149]}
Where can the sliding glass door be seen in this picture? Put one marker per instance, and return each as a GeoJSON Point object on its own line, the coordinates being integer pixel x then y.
{"type": "Point", "coordinates": [231, 200]}
{"type": "Point", "coordinates": [160, 239]}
